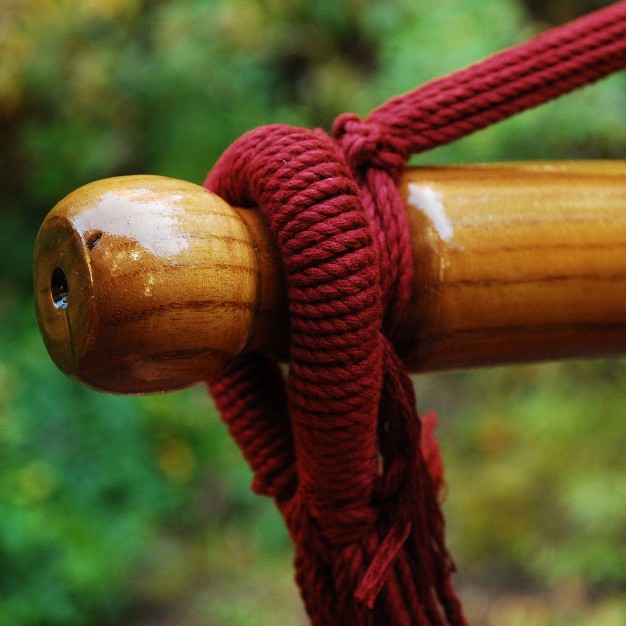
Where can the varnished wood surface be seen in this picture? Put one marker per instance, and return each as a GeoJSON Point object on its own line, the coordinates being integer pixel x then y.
{"type": "Point", "coordinates": [165, 282]}
{"type": "Point", "coordinates": [162, 284]}
{"type": "Point", "coordinates": [535, 268]}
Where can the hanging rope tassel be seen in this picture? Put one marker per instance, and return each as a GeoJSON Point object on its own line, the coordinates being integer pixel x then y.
{"type": "Point", "coordinates": [338, 443]}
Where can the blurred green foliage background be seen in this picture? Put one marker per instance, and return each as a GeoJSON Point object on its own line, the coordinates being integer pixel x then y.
{"type": "Point", "coordinates": [136, 511]}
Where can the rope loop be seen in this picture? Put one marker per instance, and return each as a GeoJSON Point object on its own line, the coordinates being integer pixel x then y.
{"type": "Point", "coordinates": [302, 185]}
{"type": "Point", "coordinates": [334, 443]}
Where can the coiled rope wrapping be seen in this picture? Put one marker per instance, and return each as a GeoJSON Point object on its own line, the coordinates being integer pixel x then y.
{"type": "Point", "coordinates": [338, 444]}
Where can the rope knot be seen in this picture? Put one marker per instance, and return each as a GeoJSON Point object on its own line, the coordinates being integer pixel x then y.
{"type": "Point", "coordinates": [365, 144]}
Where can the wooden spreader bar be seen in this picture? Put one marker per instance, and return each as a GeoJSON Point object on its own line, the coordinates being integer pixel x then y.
{"type": "Point", "coordinates": [147, 284]}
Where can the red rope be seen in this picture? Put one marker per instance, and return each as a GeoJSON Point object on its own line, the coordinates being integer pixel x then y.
{"type": "Point", "coordinates": [555, 63]}
{"type": "Point", "coordinates": [339, 445]}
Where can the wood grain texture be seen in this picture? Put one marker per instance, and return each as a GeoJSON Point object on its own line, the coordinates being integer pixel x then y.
{"type": "Point", "coordinates": [164, 282]}
{"type": "Point", "coordinates": [535, 268]}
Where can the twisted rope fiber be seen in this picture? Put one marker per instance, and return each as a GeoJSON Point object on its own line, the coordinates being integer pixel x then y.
{"type": "Point", "coordinates": [338, 444]}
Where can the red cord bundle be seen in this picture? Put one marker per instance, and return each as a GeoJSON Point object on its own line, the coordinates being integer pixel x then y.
{"type": "Point", "coordinates": [338, 444]}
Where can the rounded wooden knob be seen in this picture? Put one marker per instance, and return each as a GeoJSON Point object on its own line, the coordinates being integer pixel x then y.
{"type": "Point", "coordinates": [144, 284]}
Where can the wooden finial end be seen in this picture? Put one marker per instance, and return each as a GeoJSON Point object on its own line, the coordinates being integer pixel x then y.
{"type": "Point", "coordinates": [144, 284]}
